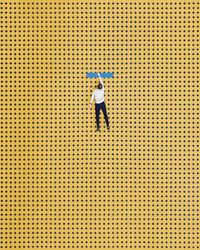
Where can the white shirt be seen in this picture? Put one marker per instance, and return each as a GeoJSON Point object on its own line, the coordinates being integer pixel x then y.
{"type": "Point", "coordinates": [98, 95]}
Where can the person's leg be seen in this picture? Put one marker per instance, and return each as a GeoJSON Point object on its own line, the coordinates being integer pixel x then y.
{"type": "Point", "coordinates": [103, 106]}
{"type": "Point", "coordinates": [97, 111]}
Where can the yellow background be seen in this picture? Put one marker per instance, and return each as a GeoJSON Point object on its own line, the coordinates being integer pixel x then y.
{"type": "Point", "coordinates": [62, 184]}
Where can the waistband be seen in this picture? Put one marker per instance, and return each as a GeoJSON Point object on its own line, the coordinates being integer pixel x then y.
{"type": "Point", "coordinates": [99, 103]}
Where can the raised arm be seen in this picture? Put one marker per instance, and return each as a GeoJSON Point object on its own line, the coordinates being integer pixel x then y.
{"type": "Point", "coordinates": [100, 79]}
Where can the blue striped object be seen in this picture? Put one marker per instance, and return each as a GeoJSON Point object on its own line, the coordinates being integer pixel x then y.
{"type": "Point", "coordinates": [103, 75]}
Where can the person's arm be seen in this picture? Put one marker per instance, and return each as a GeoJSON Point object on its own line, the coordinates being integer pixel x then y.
{"type": "Point", "coordinates": [92, 98]}
{"type": "Point", "coordinates": [100, 79]}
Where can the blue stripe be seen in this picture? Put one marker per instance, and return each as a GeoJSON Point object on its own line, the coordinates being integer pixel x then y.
{"type": "Point", "coordinates": [103, 75]}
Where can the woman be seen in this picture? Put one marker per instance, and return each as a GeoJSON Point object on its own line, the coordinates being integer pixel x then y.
{"type": "Point", "coordinates": [98, 95]}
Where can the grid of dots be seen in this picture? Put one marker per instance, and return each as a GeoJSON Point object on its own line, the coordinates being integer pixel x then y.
{"type": "Point", "coordinates": [65, 186]}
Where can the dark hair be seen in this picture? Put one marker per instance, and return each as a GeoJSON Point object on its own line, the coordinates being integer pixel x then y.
{"type": "Point", "coordinates": [100, 86]}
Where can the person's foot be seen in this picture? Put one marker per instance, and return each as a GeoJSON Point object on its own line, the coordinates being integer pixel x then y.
{"type": "Point", "coordinates": [98, 130]}
{"type": "Point", "coordinates": [108, 128]}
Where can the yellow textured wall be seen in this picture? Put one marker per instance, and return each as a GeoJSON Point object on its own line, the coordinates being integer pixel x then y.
{"type": "Point", "coordinates": [62, 184]}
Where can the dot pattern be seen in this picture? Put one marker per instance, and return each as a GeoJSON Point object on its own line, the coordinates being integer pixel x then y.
{"type": "Point", "coordinates": [62, 184]}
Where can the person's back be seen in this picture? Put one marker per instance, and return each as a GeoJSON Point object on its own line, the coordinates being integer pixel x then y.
{"type": "Point", "coordinates": [99, 95]}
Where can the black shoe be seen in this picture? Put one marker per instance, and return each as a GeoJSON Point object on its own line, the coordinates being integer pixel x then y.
{"type": "Point", "coordinates": [98, 130]}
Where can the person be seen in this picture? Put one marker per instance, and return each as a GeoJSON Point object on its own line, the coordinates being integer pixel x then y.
{"type": "Point", "coordinates": [98, 95]}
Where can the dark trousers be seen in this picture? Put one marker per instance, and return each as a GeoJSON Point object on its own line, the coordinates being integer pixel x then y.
{"type": "Point", "coordinates": [98, 107]}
